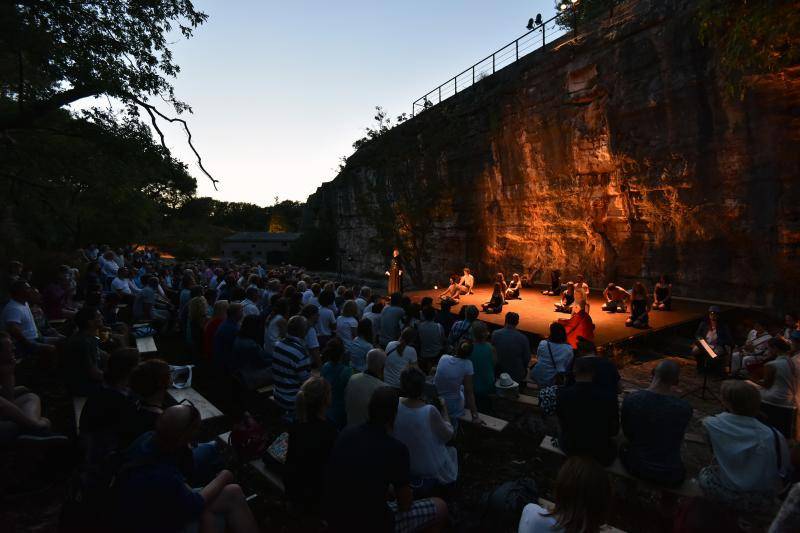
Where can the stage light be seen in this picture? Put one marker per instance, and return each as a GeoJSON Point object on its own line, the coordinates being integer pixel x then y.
{"type": "Point", "coordinates": [562, 7]}
{"type": "Point", "coordinates": [435, 287]}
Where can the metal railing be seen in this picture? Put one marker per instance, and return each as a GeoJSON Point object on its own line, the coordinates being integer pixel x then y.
{"type": "Point", "coordinates": [537, 38]}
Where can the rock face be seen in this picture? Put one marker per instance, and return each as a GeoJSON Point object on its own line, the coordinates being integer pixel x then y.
{"type": "Point", "coordinates": [616, 153]}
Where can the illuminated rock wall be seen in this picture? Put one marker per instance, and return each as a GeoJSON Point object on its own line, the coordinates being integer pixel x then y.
{"type": "Point", "coordinates": [618, 154]}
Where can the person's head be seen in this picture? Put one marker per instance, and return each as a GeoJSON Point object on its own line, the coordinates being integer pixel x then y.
{"type": "Point", "coordinates": [579, 278]}
{"type": "Point", "coordinates": [365, 293]}
{"type": "Point", "coordinates": [20, 291]}
{"type": "Point", "coordinates": [333, 352]}
{"type": "Point", "coordinates": [297, 326]}
{"type": "Point", "coordinates": [558, 334]}
{"type": "Point", "coordinates": [250, 328]}
{"type": "Point", "coordinates": [234, 312]}
{"type": "Point", "coordinates": [499, 277]}
{"type": "Point", "coordinates": [253, 294]}
{"type": "Point", "coordinates": [479, 331]}
{"type": "Point", "coordinates": [120, 365]}
{"type": "Point", "coordinates": [350, 308]}
{"type": "Point", "coordinates": [151, 378]}
{"type": "Point", "coordinates": [377, 307]}
{"type": "Point", "coordinates": [667, 372]}
{"type": "Point", "coordinates": [713, 313]}
{"type": "Point", "coordinates": [407, 336]}
{"type": "Point", "coordinates": [428, 313]}
{"type": "Point", "coordinates": [396, 299]}
{"type": "Point", "coordinates": [464, 350]}
{"type": "Point", "coordinates": [583, 369]}
{"type": "Point", "coordinates": [790, 319]}
{"type": "Point", "coordinates": [88, 318]}
{"type": "Point", "coordinates": [376, 359]}
{"type": "Point", "coordinates": [220, 308]}
{"type": "Point", "coordinates": [639, 290]}
{"type": "Point", "coordinates": [582, 495]}
{"type": "Point", "coordinates": [470, 313]}
{"type": "Point", "coordinates": [427, 301]}
{"type": "Point", "coordinates": [512, 320]}
{"type": "Point", "coordinates": [778, 346]}
{"type": "Point", "coordinates": [395, 252]}
{"type": "Point", "coordinates": [382, 409]}
{"type": "Point", "coordinates": [570, 287]}
{"type": "Point", "coordinates": [611, 286]}
{"type": "Point", "coordinates": [177, 427]}
{"type": "Point", "coordinates": [15, 268]}
{"type": "Point", "coordinates": [326, 298]}
{"type": "Point", "coordinates": [497, 289]}
{"type": "Point", "coordinates": [301, 286]}
{"type": "Point", "coordinates": [412, 383]}
{"type": "Point", "coordinates": [312, 400]}
{"type": "Point", "coordinates": [740, 397]}
{"type": "Point", "coordinates": [365, 330]}
{"type": "Point", "coordinates": [311, 314]}
{"type": "Point", "coordinates": [466, 271]}
{"type": "Point", "coordinates": [515, 277]}
{"type": "Point", "coordinates": [663, 279]}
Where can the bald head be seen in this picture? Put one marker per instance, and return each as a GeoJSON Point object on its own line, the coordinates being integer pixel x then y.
{"type": "Point", "coordinates": [176, 427]}
{"type": "Point", "coordinates": [376, 359]}
{"type": "Point", "coordinates": [667, 373]}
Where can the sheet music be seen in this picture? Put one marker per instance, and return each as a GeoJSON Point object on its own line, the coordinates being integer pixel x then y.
{"type": "Point", "coordinates": [711, 353]}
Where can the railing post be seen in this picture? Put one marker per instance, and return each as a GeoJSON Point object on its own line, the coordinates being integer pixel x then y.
{"type": "Point", "coordinates": [492, 63]}
{"type": "Point", "coordinates": [455, 85]}
{"type": "Point", "coordinates": [440, 94]}
{"type": "Point", "coordinates": [473, 74]}
{"type": "Point", "coordinates": [542, 35]}
{"type": "Point", "coordinates": [516, 47]}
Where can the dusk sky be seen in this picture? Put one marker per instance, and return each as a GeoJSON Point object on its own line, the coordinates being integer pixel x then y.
{"type": "Point", "coordinates": [280, 90]}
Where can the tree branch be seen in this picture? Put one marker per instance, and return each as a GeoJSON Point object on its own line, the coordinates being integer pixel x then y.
{"type": "Point", "coordinates": [41, 108]}
{"type": "Point", "coordinates": [153, 112]}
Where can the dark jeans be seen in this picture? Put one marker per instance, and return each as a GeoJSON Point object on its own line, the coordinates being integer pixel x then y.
{"type": "Point", "coordinates": [667, 477]}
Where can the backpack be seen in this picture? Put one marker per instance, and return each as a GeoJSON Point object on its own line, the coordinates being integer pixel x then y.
{"type": "Point", "coordinates": [503, 506]}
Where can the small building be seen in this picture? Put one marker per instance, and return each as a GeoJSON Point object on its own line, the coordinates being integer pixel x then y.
{"type": "Point", "coordinates": [270, 247]}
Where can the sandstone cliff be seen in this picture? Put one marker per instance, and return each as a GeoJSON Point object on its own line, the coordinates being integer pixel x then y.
{"type": "Point", "coordinates": [616, 153]}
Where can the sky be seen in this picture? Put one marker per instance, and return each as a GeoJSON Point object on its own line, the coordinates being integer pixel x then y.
{"type": "Point", "coordinates": [280, 90]}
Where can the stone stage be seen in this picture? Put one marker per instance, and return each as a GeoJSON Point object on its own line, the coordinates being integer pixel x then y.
{"type": "Point", "coordinates": [536, 313]}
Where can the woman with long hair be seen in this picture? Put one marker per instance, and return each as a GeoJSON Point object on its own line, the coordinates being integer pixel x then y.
{"type": "Point", "coordinates": [639, 318]}
{"type": "Point", "coordinates": [501, 279]}
{"type": "Point", "coordinates": [512, 291]}
{"type": "Point", "coordinates": [554, 356]}
{"type": "Point", "coordinates": [495, 304]}
{"type": "Point", "coordinates": [400, 354]}
{"type": "Point", "coordinates": [582, 500]}
{"type": "Point", "coordinates": [454, 383]}
{"type": "Point", "coordinates": [662, 294]}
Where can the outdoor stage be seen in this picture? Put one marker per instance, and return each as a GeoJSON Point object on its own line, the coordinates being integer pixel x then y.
{"type": "Point", "coordinates": [536, 313]}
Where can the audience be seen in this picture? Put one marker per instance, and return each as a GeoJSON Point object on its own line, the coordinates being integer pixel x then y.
{"type": "Point", "coordinates": [553, 357]}
{"type": "Point", "coordinates": [361, 345]}
{"type": "Point", "coordinates": [249, 361]}
{"type": "Point", "coordinates": [582, 501]}
{"type": "Point", "coordinates": [453, 380]}
{"type": "Point", "coordinates": [754, 350]}
{"type": "Point", "coordinates": [750, 458]}
{"type": "Point", "coordinates": [780, 399]}
{"type": "Point", "coordinates": [225, 337]}
{"type": "Point", "coordinates": [18, 321]}
{"type": "Point", "coordinates": [483, 358]}
{"type": "Point", "coordinates": [291, 365]}
{"type": "Point", "coordinates": [310, 443]}
{"type": "Point", "coordinates": [513, 350]}
{"type": "Point", "coordinates": [588, 417]}
{"type": "Point", "coordinates": [654, 421]}
{"type": "Point", "coordinates": [462, 330]}
{"type": "Point", "coordinates": [361, 386]}
{"type": "Point", "coordinates": [347, 323]}
{"type": "Point", "coordinates": [365, 462]}
{"type": "Point", "coordinates": [84, 361]}
{"type": "Point", "coordinates": [425, 430]}
{"type": "Point", "coordinates": [217, 318]}
{"type": "Point", "coordinates": [431, 338]}
{"type": "Point", "coordinates": [391, 317]}
{"type": "Point", "coordinates": [399, 356]}
{"type": "Point", "coordinates": [275, 329]}
{"type": "Point", "coordinates": [337, 374]}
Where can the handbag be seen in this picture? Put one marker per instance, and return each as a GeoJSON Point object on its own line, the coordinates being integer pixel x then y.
{"type": "Point", "coordinates": [548, 399]}
{"type": "Point", "coordinates": [248, 438]}
{"type": "Point", "coordinates": [181, 376]}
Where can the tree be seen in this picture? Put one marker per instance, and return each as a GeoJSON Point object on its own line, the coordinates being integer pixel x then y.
{"type": "Point", "coordinates": [750, 37]}
{"type": "Point", "coordinates": [55, 53]}
{"type": "Point", "coordinates": [576, 14]}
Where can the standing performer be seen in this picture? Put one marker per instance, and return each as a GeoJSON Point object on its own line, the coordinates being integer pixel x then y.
{"type": "Point", "coordinates": [395, 272]}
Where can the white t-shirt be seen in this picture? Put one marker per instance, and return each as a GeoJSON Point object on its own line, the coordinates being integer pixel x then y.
{"type": "Point", "coordinates": [249, 308]}
{"type": "Point", "coordinates": [311, 339]}
{"type": "Point", "coordinates": [533, 520]}
{"type": "Point", "coordinates": [326, 322]}
{"type": "Point", "coordinates": [123, 285]}
{"type": "Point", "coordinates": [449, 378]}
{"type": "Point", "coordinates": [375, 318]}
{"type": "Point", "coordinates": [307, 295]}
{"type": "Point", "coordinates": [344, 328]}
{"type": "Point", "coordinates": [396, 363]}
{"type": "Point", "coordinates": [20, 314]}
{"type": "Point", "coordinates": [361, 303]}
{"type": "Point", "coordinates": [272, 334]}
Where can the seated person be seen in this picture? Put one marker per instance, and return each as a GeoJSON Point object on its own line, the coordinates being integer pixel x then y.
{"type": "Point", "coordinates": [512, 292]}
{"type": "Point", "coordinates": [108, 411]}
{"type": "Point", "coordinates": [153, 487]}
{"type": "Point", "coordinates": [513, 350]}
{"type": "Point", "coordinates": [567, 299]}
{"type": "Point", "coordinates": [17, 319]}
{"type": "Point", "coordinates": [495, 304]}
{"type": "Point", "coordinates": [20, 410]}
{"type": "Point", "coordinates": [780, 396]}
{"type": "Point", "coordinates": [366, 460]}
{"type": "Point", "coordinates": [431, 338]}
{"type": "Point", "coordinates": [467, 282]}
{"type": "Point", "coordinates": [425, 431]}
{"type": "Point", "coordinates": [654, 421]}
{"type": "Point", "coordinates": [291, 365]}
{"type": "Point", "coordinates": [582, 500]}
{"type": "Point", "coordinates": [662, 295]}
{"type": "Point", "coordinates": [400, 354]}
{"type": "Point", "coordinates": [83, 359]}
{"type": "Point", "coordinates": [754, 350]}
{"type": "Point", "coordinates": [579, 325]}
{"type": "Point", "coordinates": [361, 386]}
{"type": "Point", "coordinates": [310, 443]}
{"type": "Point", "coordinates": [581, 290]}
{"type": "Point", "coordinates": [484, 359]}
{"type": "Point", "coordinates": [249, 362]}
{"type": "Point", "coordinates": [616, 298]}
{"type": "Point", "coordinates": [588, 417]}
{"type": "Point", "coordinates": [750, 457]}
{"type": "Point", "coordinates": [501, 279]}
{"type": "Point", "coordinates": [337, 373]}
{"type": "Point", "coordinates": [454, 383]}
{"type": "Point", "coordinates": [555, 284]}
{"type": "Point", "coordinates": [149, 381]}
{"type": "Point", "coordinates": [358, 349]}
{"type": "Point", "coordinates": [715, 333]}
{"type": "Point", "coordinates": [144, 305]}
{"type": "Point", "coordinates": [639, 318]}
{"type": "Point", "coordinates": [554, 357]}
{"type": "Point", "coordinates": [603, 369]}
{"type": "Point", "coordinates": [452, 293]}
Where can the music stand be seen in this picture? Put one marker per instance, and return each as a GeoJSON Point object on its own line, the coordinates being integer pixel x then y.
{"type": "Point", "coordinates": [701, 390]}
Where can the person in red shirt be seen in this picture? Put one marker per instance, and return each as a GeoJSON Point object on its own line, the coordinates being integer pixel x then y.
{"type": "Point", "coordinates": [580, 324]}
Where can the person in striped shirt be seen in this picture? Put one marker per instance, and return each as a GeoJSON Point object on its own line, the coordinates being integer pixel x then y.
{"type": "Point", "coordinates": [291, 364]}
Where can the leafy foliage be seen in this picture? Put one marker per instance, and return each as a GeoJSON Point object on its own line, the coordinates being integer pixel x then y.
{"type": "Point", "coordinates": [750, 37]}
{"type": "Point", "coordinates": [383, 123]}
{"type": "Point", "coordinates": [582, 12]}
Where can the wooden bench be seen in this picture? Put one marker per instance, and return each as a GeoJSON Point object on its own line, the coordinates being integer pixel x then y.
{"type": "Point", "coordinates": [77, 407]}
{"type": "Point", "coordinates": [146, 345]}
{"type": "Point", "coordinates": [495, 424]}
{"type": "Point", "coordinates": [689, 488]}
{"type": "Point", "coordinates": [605, 528]}
{"type": "Point", "coordinates": [206, 408]}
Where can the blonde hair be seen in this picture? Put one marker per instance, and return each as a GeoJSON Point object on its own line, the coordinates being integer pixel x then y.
{"type": "Point", "coordinates": [313, 396]}
{"type": "Point", "coordinates": [582, 494]}
{"type": "Point", "coordinates": [740, 397]}
{"type": "Point", "coordinates": [221, 309]}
